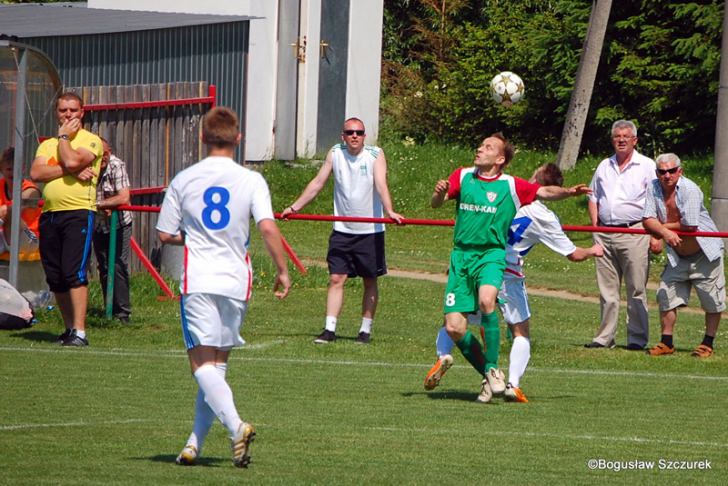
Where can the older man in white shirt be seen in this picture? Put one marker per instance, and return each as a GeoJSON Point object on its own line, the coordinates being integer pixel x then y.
{"type": "Point", "coordinates": [619, 186]}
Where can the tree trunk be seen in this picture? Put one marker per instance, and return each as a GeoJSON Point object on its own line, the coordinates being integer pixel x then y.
{"type": "Point", "coordinates": [585, 76]}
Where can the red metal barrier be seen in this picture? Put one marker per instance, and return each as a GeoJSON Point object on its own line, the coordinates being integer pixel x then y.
{"type": "Point", "coordinates": [150, 268]}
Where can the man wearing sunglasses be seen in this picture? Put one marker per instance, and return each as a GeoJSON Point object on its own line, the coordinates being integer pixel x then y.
{"type": "Point", "coordinates": [675, 203]}
{"type": "Point", "coordinates": [620, 185]}
{"type": "Point", "coordinates": [355, 249]}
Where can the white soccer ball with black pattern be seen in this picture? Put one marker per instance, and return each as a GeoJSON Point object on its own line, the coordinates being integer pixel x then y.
{"type": "Point", "coordinates": [507, 88]}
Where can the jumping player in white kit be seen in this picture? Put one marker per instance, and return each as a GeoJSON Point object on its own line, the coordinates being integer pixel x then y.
{"type": "Point", "coordinates": [533, 224]}
{"type": "Point", "coordinates": [207, 208]}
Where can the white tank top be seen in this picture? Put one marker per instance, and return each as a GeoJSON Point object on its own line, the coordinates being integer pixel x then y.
{"type": "Point", "coordinates": [354, 191]}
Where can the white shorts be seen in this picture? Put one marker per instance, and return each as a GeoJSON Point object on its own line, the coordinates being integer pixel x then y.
{"type": "Point", "coordinates": [212, 320]}
{"type": "Point", "coordinates": [697, 271]}
{"type": "Point", "coordinates": [515, 299]}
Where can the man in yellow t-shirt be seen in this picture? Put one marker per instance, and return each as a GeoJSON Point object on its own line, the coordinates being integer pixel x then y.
{"type": "Point", "coordinates": [68, 165]}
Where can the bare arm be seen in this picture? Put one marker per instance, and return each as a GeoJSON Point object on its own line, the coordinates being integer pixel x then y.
{"type": "Point", "coordinates": [120, 198]}
{"type": "Point", "coordinates": [659, 230]}
{"type": "Point", "coordinates": [555, 193]}
{"type": "Point", "coordinates": [40, 171]}
{"type": "Point", "coordinates": [167, 239]}
{"type": "Point", "coordinates": [581, 254]}
{"type": "Point", "coordinates": [272, 239]}
{"type": "Point", "coordinates": [380, 182]}
{"type": "Point", "coordinates": [440, 194]}
{"type": "Point", "coordinates": [312, 189]}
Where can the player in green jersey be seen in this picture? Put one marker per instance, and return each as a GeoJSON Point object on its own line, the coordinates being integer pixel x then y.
{"type": "Point", "coordinates": [487, 200]}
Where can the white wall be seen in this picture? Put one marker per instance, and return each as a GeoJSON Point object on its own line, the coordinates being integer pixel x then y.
{"type": "Point", "coordinates": [261, 61]}
{"type": "Point", "coordinates": [365, 64]}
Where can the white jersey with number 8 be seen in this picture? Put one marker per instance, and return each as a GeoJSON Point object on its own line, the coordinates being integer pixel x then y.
{"type": "Point", "coordinates": [212, 201]}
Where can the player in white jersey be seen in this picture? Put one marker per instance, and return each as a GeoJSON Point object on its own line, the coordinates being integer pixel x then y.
{"type": "Point", "coordinates": [355, 249]}
{"type": "Point", "coordinates": [207, 208]}
{"type": "Point", "coordinates": [533, 224]}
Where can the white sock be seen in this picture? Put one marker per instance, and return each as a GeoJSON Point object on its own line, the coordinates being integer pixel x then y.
{"type": "Point", "coordinates": [218, 396]}
{"type": "Point", "coordinates": [204, 416]}
{"type": "Point", "coordinates": [81, 334]}
{"type": "Point", "coordinates": [520, 355]}
{"type": "Point", "coordinates": [331, 323]}
{"type": "Point", "coordinates": [366, 325]}
{"type": "Point", "coordinates": [444, 343]}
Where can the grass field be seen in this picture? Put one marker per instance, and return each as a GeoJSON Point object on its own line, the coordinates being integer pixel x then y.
{"type": "Point", "coordinates": [119, 411]}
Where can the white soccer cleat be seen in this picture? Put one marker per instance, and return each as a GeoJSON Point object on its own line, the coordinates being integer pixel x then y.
{"type": "Point", "coordinates": [496, 380]}
{"type": "Point", "coordinates": [437, 371]}
{"type": "Point", "coordinates": [241, 444]}
{"type": "Point", "coordinates": [485, 392]}
{"type": "Point", "coordinates": [188, 456]}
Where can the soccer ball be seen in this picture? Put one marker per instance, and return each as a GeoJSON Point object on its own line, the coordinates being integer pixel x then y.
{"type": "Point", "coordinates": [506, 88]}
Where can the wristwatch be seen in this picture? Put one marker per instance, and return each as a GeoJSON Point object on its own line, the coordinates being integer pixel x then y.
{"type": "Point", "coordinates": [63, 137]}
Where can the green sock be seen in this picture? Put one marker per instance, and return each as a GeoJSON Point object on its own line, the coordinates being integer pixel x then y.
{"type": "Point", "coordinates": [471, 348]}
{"type": "Point", "coordinates": [491, 330]}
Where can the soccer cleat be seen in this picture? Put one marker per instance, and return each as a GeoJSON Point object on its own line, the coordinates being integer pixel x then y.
{"type": "Point", "coordinates": [188, 456]}
{"type": "Point", "coordinates": [485, 392]}
{"type": "Point", "coordinates": [661, 349]}
{"type": "Point", "coordinates": [363, 338]}
{"type": "Point", "coordinates": [65, 335]}
{"type": "Point", "coordinates": [75, 340]}
{"type": "Point", "coordinates": [514, 394]}
{"type": "Point", "coordinates": [241, 444]}
{"type": "Point", "coordinates": [496, 380]}
{"type": "Point", "coordinates": [702, 351]}
{"type": "Point", "coordinates": [325, 337]}
{"type": "Point", "coordinates": [437, 371]}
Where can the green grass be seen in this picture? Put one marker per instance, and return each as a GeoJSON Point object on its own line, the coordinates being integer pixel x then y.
{"type": "Point", "coordinates": [119, 411]}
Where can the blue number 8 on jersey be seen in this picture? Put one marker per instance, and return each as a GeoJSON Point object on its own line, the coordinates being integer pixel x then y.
{"type": "Point", "coordinates": [216, 209]}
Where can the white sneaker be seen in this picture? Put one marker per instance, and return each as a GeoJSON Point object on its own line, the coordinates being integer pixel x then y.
{"type": "Point", "coordinates": [241, 444]}
{"type": "Point", "coordinates": [496, 380]}
{"type": "Point", "coordinates": [188, 456]}
{"type": "Point", "coordinates": [437, 371]}
{"type": "Point", "coordinates": [485, 392]}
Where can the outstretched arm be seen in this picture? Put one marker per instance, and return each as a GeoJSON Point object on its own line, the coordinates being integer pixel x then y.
{"type": "Point", "coordinates": [555, 193]}
{"type": "Point", "coordinates": [581, 254]}
{"type": "Point", "coordinates": [313, 187]}
{"type": "Point", "coordinates": [272, 239]}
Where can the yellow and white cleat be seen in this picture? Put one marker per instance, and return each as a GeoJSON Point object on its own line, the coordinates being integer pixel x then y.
{"type": "Point", "coordinates": [188, 456]}
{"type": "Point", "coordinates": [241, 444]}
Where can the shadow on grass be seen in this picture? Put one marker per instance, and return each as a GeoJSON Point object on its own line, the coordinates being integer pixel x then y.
{"type": "Point", "coordinates": [445, 395]}
{"type": "Point", "coordinates": [37, 336]}
{"type": "Point", "coordinates": [201, 461]}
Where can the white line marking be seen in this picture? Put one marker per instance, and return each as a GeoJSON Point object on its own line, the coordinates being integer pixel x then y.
{"type": "Point", "coordinates": [70, 424]}
{"type": "Point", "coordinates": [326, 362]}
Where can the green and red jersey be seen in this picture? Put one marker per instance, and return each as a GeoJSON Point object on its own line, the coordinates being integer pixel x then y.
{"type": "Point", "coordinates": [486, 207]}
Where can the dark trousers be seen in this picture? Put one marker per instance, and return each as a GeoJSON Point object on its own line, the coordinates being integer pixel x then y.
{"type": "Point", "coordinates": [122, 305]}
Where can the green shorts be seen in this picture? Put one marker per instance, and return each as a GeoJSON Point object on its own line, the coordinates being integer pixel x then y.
{"type": "Point", "coordinates": [470, 270]}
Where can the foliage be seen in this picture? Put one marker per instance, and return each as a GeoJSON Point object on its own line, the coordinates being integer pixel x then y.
{"type": "Point", "coordinates": [659, 61]}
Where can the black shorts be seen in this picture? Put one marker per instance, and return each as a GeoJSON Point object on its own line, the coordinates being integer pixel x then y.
{"type": "Point", "coordinates": [357, 255]}
{"type": "Point", "coordinates": [65, 246]}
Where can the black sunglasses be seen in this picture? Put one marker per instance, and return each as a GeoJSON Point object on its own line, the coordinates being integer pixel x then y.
{"type": "Point", "coordinates": [352, 132]}
{"type": "Point", "coordinates": [667, 171]}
